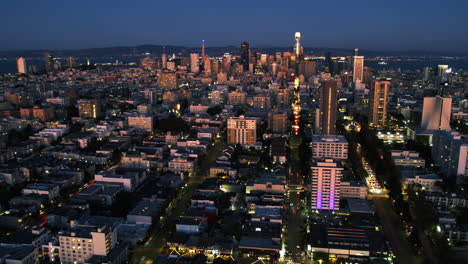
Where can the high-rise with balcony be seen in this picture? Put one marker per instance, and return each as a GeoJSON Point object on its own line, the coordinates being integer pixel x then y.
{"type": "Point", "coordinates": [378, 100]}
{"type": "Point", "coordinates": [194, 62]}
{"type": "Point", "coordinates": [325, 187]}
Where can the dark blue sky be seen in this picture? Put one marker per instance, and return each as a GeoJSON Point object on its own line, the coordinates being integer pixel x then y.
{"type": "Point", "coordinates": [368, 24]}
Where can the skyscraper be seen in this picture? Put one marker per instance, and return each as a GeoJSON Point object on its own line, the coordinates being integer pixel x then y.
{"type": "Point", "coordinates": [378, 100]}
{"type": "Point", "coordinates": [164, 59]}
{"type": "Point", "coordinates": [326, 180]}
{"type": "Point", "coordinates": [194, 62]}
{"type": "Point", "coordinates": [241, 130]}
{"type": "Point", "coordinates": [245, 55]}
{"type": "Point", "coordinates": [328, 106]}
{"type": "Point", "coordinates": [307, 68]}
{"type": "Point", "coordinates": [21, 65]}
{"type": "Point", "coordinates": [358, 67]}
{"type": "Point", "coordinates": [203, 51]}
{"type": "Point", "coordinates": [436, 113]}
{"type": "Point", "coordinates": [297, 44]}
{"type": "Point", "coordinates": [49, 62]}
{"type": "Point", "coordinates": [71, 61]}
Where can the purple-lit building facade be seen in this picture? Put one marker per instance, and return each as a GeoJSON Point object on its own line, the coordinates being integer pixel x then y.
{"type": "Point", "coordinates": [326, 179]}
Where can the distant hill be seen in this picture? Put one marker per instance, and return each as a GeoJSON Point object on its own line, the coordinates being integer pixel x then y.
{"type": "Point", "coordinates": [156, 50]}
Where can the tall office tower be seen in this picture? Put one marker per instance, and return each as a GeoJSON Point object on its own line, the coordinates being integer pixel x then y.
{"type": "Point", "coordinates": [436, 113]}
{"type": "Point", "coordinates": [426, 74]}
{"type": "Point", "coordinates": [21, 65]}
{"type": "Point", "coordinates": [378, 99]}
{"type": "Point", "coordinates": [358, 68]}
{"type": "Point", "coordinates": [203, 50]}
{"type": "Point", "coordinates": [89, 108]}
{"type": "Point", "coordinates": [241, 130]}
{"type": "Point", "coordinates": [207, 65]}
{"type": "Point", "coordinates": [274, 68]}
{"type": "Point", "coordinates": [167, 79]}
{"type": "Point", "coordinates": [328, 106]}
{"type": "Point", "coordinates": [164, 58]}
{"type": "Point", "coordinates": [307, 68]}
{"type": "Point", "coordinates": [245, 55]}
{"type": "Point", "coordinates": [194, 62]}
{"type": "Point", "coordinates": [367, 75]}
{"type": "Point", "coordinates": [71, 62]}
{"type": "Point", "coordinates": [329, 146]}
{"type": "Point", "coordinates": [442, 73]}
{"type": "Point", "coordinates": [214, 67]}
{"type": "Point", "coordinates": [49, 62]}
{"type": "Point", "coordinates": [356, 52]}
{"type": "Point", "coordinates": [297, 44]}
{"type": "Point", "coordinates": [441, 69]}
{"type": "Point", "coordinates": [329, 63]}
{"type": "Point", "coordinates": [226, 61]}
{"type": "Point", "coordinates": [326, 180]}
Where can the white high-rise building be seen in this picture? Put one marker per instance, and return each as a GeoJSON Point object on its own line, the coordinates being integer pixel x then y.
{"type": "Point", "coordinates": [325, 188]}
{"type": "Point", "coordinates": [329, 146]}
{"type": "Point", "coordinates": [194, 62]}
{"type": "Point", "coordinates": [436, 113]}
{"type": "Point", "coordinates": [297, 44]}
{"type": "Point", "coordinates": [21, 65]}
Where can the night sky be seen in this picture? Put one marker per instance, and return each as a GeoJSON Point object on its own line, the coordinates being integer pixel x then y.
{"type": "Point", "coordinates": [367, 24]}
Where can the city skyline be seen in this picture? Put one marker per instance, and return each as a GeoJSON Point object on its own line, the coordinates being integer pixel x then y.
{"type": "Point", "coordinates": [377, 26]}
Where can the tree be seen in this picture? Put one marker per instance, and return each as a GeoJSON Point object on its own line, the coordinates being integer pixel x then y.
{"type": "Point", "coordinates": [214, 110]}
{"type": "Point", "coordinates": [122, 204]}
{"type": "Point", "coordinates": [172, 124]}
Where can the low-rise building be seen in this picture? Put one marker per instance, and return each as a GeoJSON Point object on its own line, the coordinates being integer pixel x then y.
{"type": "Point", "coordinates": [406, 158]}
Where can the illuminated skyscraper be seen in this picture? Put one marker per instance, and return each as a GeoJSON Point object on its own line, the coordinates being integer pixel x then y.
{"type": "Point", "coordinates": [297, 44]}
{"type": "Point", "coordinates": [71, 62]}
{"type": "Point", "coordinates": [326, 180]}
{"type": "Point", "coordinates": [245, 55]}
{"type": "Point", "coordinates": [164, 59]}
{"type": "Point", "coordinates": [328, 106]}
{"type": "Point", "coordinates": [203, 51]}
{"type": "Point", "coordinates": [358, 69]}
{"type": "Point", "coordinates": [49, 62]}
{"type": "Point", "coordinates": [378, 100]}
{"type": "Point", "coordinates": [21, 65]}
{"type": "Point", "coordinates": [194, 62]}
